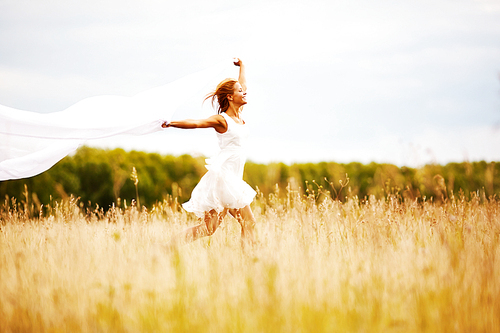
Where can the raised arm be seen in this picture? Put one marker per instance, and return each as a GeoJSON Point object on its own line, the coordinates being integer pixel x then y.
{"type": "Point", "coordinates": [241, 79]}
{"type": "Point", "coordinates": [216, 122]}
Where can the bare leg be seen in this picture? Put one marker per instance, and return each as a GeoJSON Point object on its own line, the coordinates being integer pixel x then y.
{"type": "Point", "coordinates": [210, 223]}
{"type": "Point", "coordinates": [247, 220]}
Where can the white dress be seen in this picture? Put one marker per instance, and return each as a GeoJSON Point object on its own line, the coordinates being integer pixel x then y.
{"type": "Point", "coordinates": [223, 185]}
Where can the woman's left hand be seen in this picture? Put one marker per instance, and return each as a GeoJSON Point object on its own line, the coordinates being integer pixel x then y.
{"type": "Point", "coordinates": [165, 124]}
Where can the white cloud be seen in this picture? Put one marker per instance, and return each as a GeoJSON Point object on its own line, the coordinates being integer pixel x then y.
{"type": "Point", "coordinates": [491, 6]}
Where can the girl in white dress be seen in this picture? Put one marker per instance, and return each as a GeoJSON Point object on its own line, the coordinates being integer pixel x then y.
{"type": "Point", "coordinates": [222, 189]}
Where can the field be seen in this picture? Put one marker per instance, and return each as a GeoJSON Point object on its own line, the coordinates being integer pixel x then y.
{"type": "Point", "coordinates": [319, 265]}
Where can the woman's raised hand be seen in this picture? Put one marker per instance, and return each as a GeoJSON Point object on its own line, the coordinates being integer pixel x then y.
{"type": "Point", "coordinates": [165, 124]}
{"type": "Point", "coordinates": [237, 62]}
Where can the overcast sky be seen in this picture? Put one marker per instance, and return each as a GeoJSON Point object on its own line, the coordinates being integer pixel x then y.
{"type": "Point", "coordinates": [404, 82]}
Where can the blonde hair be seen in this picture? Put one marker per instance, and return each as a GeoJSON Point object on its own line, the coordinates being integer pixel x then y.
{"type": "Point", "coordinates": [225, 88]}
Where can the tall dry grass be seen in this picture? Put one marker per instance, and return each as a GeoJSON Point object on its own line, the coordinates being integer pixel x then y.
{"type": "Point", "coordinates": [319, 265]}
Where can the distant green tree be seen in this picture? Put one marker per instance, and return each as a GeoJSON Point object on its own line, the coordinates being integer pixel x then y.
{"type": "Point", "coordinates": [103, 177]}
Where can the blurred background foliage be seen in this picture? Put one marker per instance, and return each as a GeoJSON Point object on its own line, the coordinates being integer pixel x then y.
{"type": "Point", "coordinates": [104, 177]}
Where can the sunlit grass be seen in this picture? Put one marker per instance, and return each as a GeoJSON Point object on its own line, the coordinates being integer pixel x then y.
{"type": "Point", "coordinates": [320, 265]}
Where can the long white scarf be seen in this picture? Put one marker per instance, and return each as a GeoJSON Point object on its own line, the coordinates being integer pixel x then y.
{"type": "Point", "coordinates": [31, 143]}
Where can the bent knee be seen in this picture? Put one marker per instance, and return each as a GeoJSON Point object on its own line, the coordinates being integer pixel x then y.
{"type": "Point", "coordinates": [208, 230]}
{"type": "Point", "coordinates": [212, 221]}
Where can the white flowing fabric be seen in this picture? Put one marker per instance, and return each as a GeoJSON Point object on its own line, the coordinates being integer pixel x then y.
{"type": "Point", "coordinates": [31, 143]}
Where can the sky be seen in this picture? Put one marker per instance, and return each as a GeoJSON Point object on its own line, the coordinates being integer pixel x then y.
{"type": "Point", "coordinates": [389, 81]}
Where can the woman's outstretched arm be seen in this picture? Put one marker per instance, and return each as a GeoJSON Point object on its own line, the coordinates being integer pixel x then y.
{"type": "Point", "coordinates": [217, 122]}
{"type": "Point", "coordinates": [242, 78]}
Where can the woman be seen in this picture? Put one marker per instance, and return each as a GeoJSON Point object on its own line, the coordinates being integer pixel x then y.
{"type": "Point", "coordinates": [222, 188]}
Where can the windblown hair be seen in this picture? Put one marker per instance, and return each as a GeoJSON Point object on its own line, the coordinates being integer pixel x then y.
{"type": "Point", "coordinates": [226, 87]}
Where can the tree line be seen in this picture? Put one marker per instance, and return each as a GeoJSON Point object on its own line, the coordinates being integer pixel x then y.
{"type": "Point", "coordinates": [106, 177]}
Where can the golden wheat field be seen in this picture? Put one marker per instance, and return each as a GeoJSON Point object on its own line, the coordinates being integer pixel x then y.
{"type": "Point", "coordinates": [319, 265]}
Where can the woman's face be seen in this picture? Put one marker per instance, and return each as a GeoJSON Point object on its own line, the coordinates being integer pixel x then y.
{"type": "Point", "coordinates": [239, 96]}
